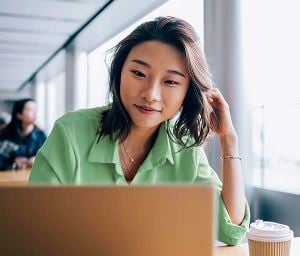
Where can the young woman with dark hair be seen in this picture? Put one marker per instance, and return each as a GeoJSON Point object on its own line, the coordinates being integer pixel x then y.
{"type": "Point", "coordinates": [21, 138]}
{"type": "Point", "coordinates": [163, 107]}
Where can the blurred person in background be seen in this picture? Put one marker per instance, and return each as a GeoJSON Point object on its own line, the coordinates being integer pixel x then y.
{"type": "Point", "coordinates": [21, 138]}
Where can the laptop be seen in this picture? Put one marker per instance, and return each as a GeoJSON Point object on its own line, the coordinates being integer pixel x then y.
{"type": "Point", "coordinates": [107, 220]}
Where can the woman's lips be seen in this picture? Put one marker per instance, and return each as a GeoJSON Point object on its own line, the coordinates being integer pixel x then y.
{"type": "Point", "coordinates": [146, 109]}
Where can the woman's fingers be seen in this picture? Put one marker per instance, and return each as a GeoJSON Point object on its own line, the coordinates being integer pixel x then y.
{"type": "Point", "coordinates": [219, 115]}
{"type": "Point", "coordinates": [215, 96]}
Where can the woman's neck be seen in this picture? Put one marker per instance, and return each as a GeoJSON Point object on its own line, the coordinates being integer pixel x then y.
{"type": "Point", "coordinates": [134, 150]}
{"type": "Point", "coordinates": [27, 128]}
{"type": "Point", "coordinates": [141, 140]}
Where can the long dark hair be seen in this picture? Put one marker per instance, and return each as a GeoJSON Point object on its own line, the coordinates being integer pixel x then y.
{"type": "Point", "coordinates": [192, 126]}
{"type": "Point", "coordinates": [15, 125]}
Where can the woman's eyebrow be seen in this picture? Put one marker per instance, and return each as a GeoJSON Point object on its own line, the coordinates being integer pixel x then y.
{"type": "Point", "coordinates": [141, 62]}
{"type": "Point", "coordinates": [175, 72]}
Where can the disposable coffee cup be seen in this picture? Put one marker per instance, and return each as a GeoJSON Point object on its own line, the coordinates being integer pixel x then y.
{"type": "Point", "coordinates": [267, 238]}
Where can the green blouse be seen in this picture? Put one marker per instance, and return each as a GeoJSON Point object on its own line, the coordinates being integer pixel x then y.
{"type": "Point", "coordinates": [71, 155]}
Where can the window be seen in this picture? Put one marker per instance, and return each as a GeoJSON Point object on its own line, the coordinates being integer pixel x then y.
{"type": "Point", "coordinates": [271, 53]}
{"type": "Point", "coordinates": [41, 106]}
{"type": "Point", "coordinates": [97, 70]}
{"type": "Point", "coordinates": [55, 99]}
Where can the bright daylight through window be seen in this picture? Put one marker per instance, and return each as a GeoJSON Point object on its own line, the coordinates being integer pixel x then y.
{"type": "Point", "coordinates": [271, 53]}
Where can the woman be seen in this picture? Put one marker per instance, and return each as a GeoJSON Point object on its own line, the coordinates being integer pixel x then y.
{"type": "Point", "coordinates": [21, 138]}
{"type": "Point", "coordinates": [158, 72]}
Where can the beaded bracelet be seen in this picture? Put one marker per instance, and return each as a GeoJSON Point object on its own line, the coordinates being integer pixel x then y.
{"type": "Point", "coordinates": [231, 157]}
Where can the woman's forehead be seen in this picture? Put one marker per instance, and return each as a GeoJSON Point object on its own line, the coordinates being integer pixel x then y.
{"type": "Point", "coordinates": [153, 52]}
{"type": "Point", "coordinates": [30, 104]}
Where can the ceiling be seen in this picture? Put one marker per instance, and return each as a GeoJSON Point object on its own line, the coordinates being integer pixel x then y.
{"type": "Point", "coordinates": [31, 31]}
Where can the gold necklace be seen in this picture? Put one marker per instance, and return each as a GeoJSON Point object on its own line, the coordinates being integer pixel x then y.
{"type": "Point", "coordinates": [127, 153]}
{"type": "Point", "coordinates": [124, 161]}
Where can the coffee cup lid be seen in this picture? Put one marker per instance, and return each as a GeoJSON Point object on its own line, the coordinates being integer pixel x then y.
{"type": "Point", "coordinates": [267, 231]}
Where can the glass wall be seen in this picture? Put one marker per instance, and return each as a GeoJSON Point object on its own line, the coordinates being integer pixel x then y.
{"type": "Point", "coordinates": [271, 50]}
{"type": "Point", "coordinates": [41, 104]}
{"type": "Point", "coordinates": [50, 97]}
{"type": "Point", "coordinates": [55, 99]}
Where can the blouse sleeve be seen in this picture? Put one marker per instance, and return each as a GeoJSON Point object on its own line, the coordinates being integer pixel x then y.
{"type": "Point", "coordinates": [227, 232]}
{"type": "Point", "coordinates": [55, 162]}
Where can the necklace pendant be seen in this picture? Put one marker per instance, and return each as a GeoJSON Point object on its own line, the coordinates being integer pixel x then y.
{"type": "Point", "coordinates": [127, 153]}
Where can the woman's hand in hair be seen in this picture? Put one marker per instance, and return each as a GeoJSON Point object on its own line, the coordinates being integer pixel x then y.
{"type": "Point", "coordinates": [220, 118]}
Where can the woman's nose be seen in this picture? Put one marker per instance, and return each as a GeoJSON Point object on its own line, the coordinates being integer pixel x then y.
{"type": "Point", "coordinates": [152, 91]}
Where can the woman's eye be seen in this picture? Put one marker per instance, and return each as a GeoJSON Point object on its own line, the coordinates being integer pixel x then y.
{"type": "Point", "coordinates": [170, 82]}
{"type": "Point", "coordinates": [138, 73]}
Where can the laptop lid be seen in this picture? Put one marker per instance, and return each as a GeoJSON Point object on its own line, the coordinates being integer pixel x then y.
{"type": "Point", "coordinates": [106, 220]}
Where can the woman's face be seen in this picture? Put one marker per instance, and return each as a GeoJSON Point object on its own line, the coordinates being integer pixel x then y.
{"type": "Point", "coordinates": [28, 115]}
{"type": "Point", "coordinates": [154, 82]}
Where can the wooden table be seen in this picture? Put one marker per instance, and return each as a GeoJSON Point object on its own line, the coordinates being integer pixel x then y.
{"type": "Point", "coordinates": [242, 249]}
{"type": "Point", "coordinates": [21, 178]}
{"type": "Point", "coordinates": [14, 177]}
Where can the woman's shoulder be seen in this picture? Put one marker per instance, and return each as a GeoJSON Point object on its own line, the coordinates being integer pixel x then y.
{"type": "Point", "coordinates": [82, 116]}
{"type": "Point", "coordinates": [39, 132]}
{"type": "Point", "coordinates": [77, 123]}
{"type": "Point", "coordinates": [195, 153]}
